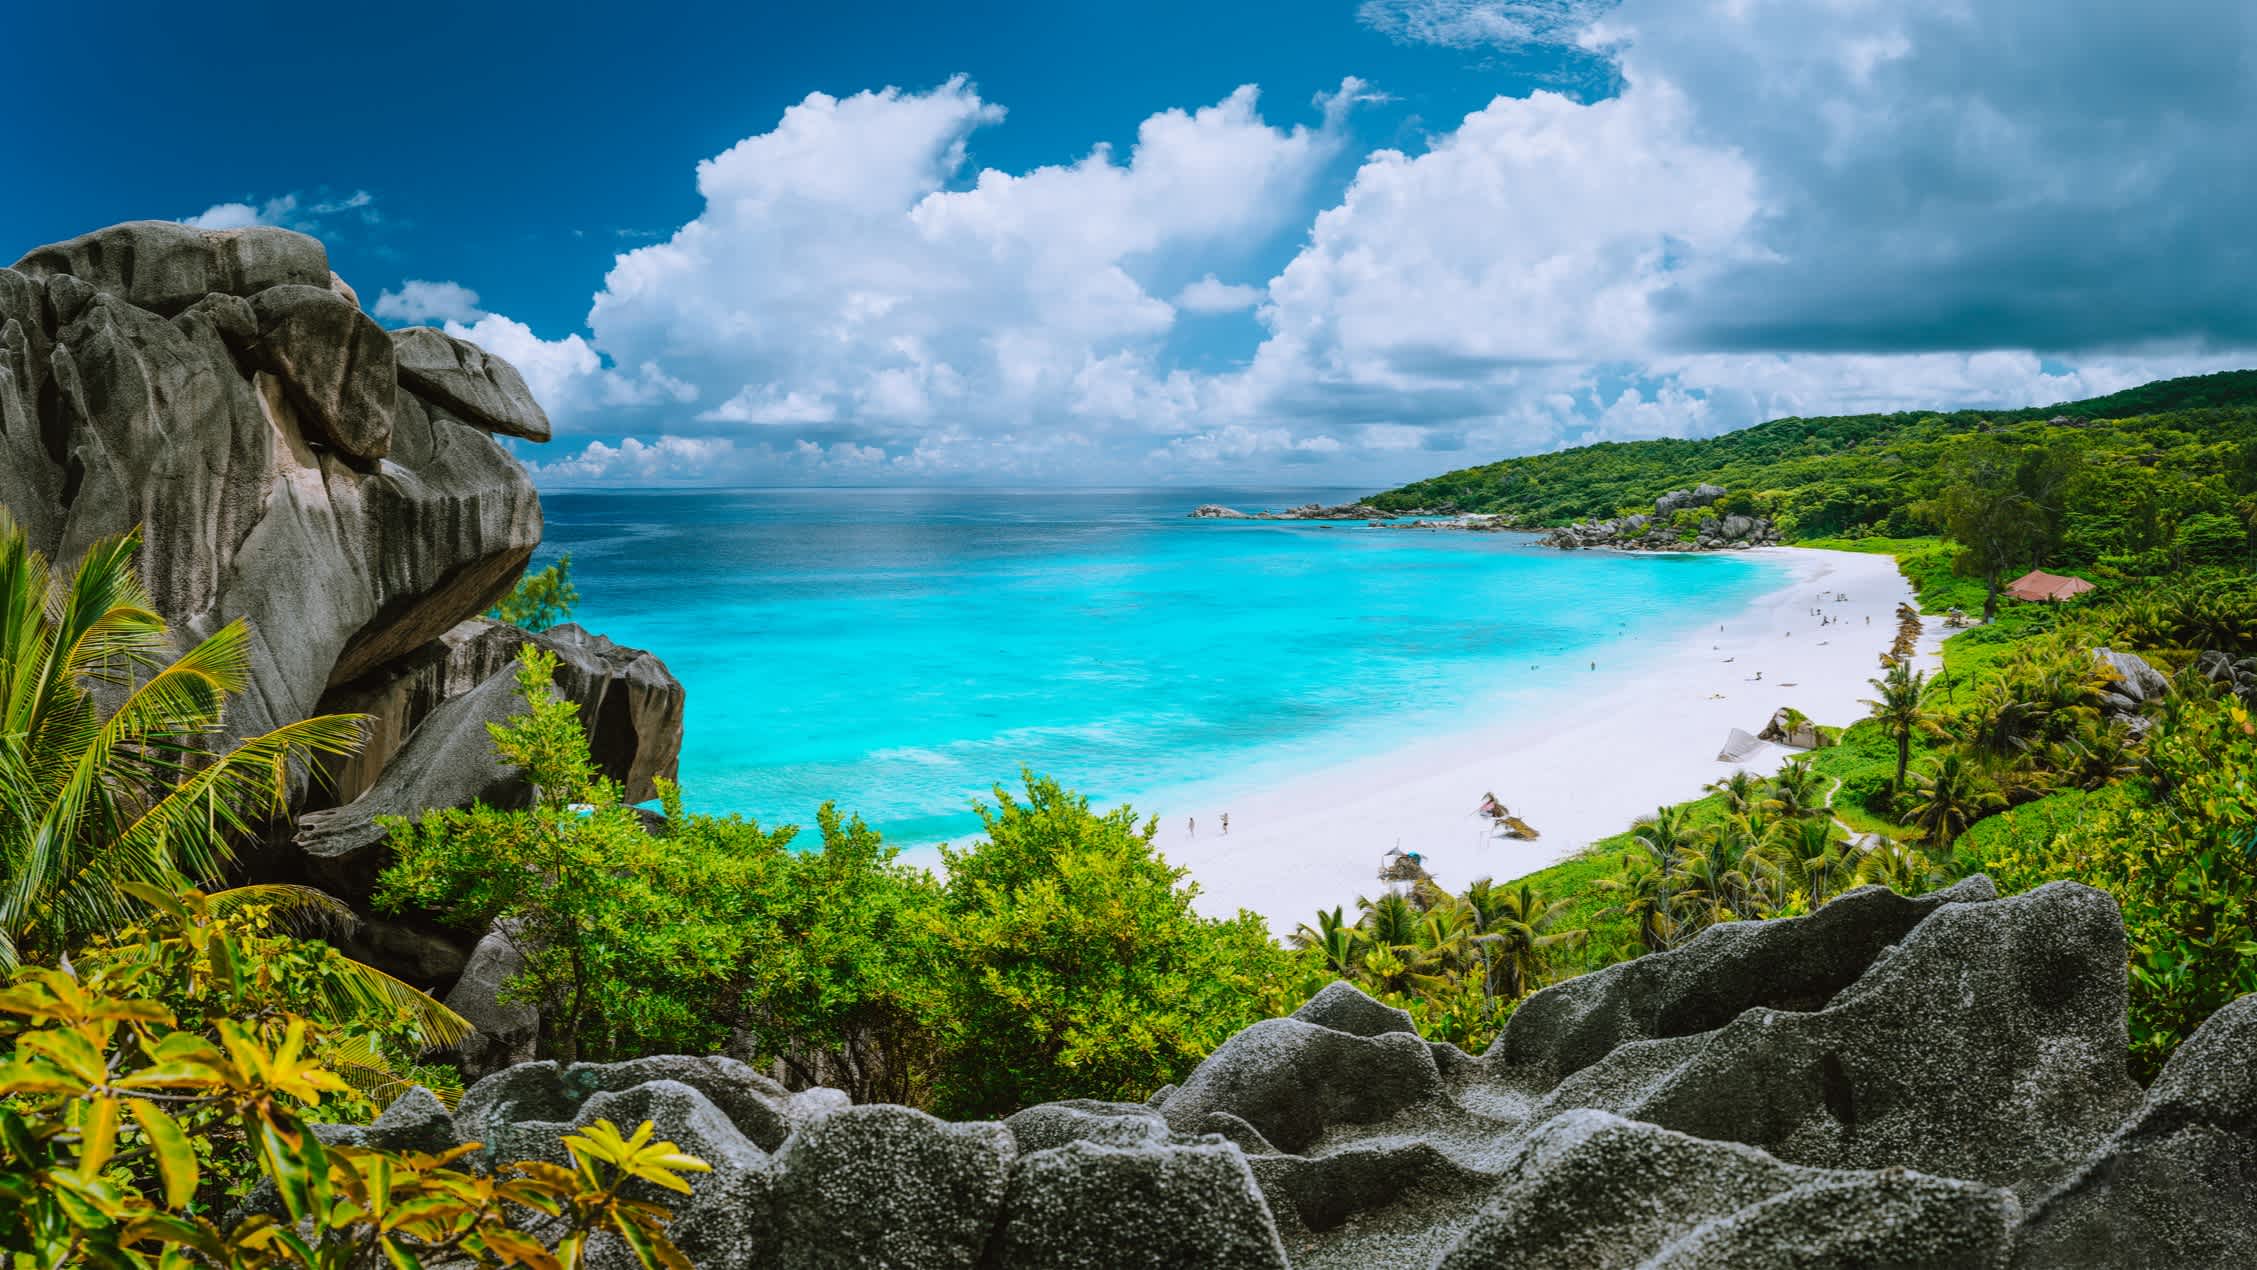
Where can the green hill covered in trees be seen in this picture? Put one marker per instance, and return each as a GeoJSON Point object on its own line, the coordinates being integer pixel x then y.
{"type": "Point", "coordinates": [2149, 478]}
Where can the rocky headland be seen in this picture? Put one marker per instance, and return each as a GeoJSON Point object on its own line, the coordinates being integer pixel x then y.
{"type": "Point", "coordinates": [1661, 530]}
{"type": "Point", "coordinates": [1667, 528]}
{"type": "Point", "coordinates": [1907, 1082]}
{"type": "Point", "coordinates": [336, 486]}
{"type": "Point", "coordinates": [1306, 511]}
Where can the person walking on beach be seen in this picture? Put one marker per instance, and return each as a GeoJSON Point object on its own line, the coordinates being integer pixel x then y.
{"type": "Point", "coordinates": [1191, 826]}
{"type": "Point", "coordinates": [1226, 824]}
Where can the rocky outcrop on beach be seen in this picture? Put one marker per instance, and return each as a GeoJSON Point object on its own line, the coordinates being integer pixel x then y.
{"type": "Point", "coordinates": [1792, 729]}
{"type": "Point", "coordinates": [1307, 511]}
{"type": "Point", "coordinates": [1931, 1081]}
{"type": "Point", "coordinates": [336, 486]}
{"type": "Point", "coordinates": [1660, 532]}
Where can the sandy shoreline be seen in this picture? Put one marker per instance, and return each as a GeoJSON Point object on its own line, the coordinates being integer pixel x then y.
{"type": "Point", "coordinates": [1628, 742]}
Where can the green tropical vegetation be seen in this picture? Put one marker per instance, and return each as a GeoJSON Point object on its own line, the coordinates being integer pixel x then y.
{"type": "Point", "coordinates": [163, 1049]}
{"type": "Point", "coordinates": [2024, 757]}
{"type": "Point", "coordinates": [1060, 957]}
{"type": "Point", "coordinates": [541, 599]}
{"type": "Point", "coordinates": [166, 1035]}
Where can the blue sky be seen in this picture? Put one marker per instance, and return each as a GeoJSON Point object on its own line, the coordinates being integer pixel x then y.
{"type": "Point", "coordinates": [1331, 243]}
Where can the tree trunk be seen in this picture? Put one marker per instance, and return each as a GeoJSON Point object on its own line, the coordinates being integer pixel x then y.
{"type": "Point", "coordinates": [1990, 600]}
{"type": "Point", "coordinates": [1904, 759]}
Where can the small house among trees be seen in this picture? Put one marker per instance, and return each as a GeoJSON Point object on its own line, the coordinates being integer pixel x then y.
{"type": "Point", "coordinates": [2040, 587]}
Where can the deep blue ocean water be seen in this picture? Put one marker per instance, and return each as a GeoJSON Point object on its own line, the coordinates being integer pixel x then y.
{"type": "Point", "coordinates": [902, 651]}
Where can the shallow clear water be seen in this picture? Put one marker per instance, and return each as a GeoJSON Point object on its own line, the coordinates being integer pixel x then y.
{"type": "Point", "coordinates": [903, 651]}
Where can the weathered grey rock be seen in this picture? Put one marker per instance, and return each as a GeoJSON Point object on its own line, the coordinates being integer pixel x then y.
{"type": "Point", "coordinates": [449, 762]}
{"type": "Point", "coordinates": [2135, 680]}
{"type": "Point", "coordinates": [889, 1186]}
{"type": "Point", "coordinates": [468, 382]}
{"type": "Point", "coordinates": [164, 267]}
{"type": "Point", "coordinates": [1216, 511]}
{"type": "Point", "coordinates": [1883, 1083]}
{"type": "Point", "coordinates": [2177, 1184]}
{"type": "Point", "coordinates": [1987, 1044]}
{"type": "Point", "coordinates": [1290, 1080]}
{"type": "Point", "coordinates": [629, 704]}
{"type": "Point", "coordinates": [416, 1121]}
{"type": "Point", "coordinates": [31, 473]}
{"type": "Point", "coordinates": [1783, 729]}
{"type": "Point", "coordinates": [1344, 1007]}
{"type": "Point", "coordinates": [1118, 1208]}
{"type": "Point", "coordinates": [507, 1030]}
{"type": "Point", "coordinates": [241, 436]}
{"type": "Point", "coordinates": [1792, 964]}
{"type": "Point", "coordinates": [335, 363]}
{"type": "Point", "coordinates": [1892, 1218]}
{"type": "Point", "coordinates": [1113, 1124]}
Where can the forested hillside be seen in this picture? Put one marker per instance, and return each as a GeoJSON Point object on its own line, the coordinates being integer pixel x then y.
{"type": "Point", "coordinates": [2148, 479]}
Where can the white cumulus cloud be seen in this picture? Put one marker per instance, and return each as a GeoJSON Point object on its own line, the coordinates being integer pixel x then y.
{"type": "Point", "coordinates": [305, 214]}
{"type": "Point", "coordinates": [420, 301]}
{"type": "Point", "coordinates": [1212, 295]}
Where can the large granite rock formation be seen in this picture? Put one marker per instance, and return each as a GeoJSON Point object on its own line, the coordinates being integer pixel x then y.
{"type": "Point", "coordinates": [334, 485]}
{"type": "Point", "coordinates": [1934, 1081]}
{"type": "Point", "coordinates": [1658, 532]}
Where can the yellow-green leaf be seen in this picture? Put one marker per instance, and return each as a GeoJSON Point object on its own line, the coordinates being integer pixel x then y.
{"type": "Point", "coordinates": [176, 1159]}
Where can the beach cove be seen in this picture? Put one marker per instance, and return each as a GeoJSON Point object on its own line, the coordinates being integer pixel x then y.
{"type": "Point", "coordinates": [1339, 689]}
{"type": "Point", "coordinates": [1610, 744]}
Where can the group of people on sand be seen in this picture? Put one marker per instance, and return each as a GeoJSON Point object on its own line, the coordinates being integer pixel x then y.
{"type": "Point", "coordinates": [1191, 826]}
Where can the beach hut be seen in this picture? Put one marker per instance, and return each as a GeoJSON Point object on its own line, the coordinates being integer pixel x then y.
{"type": "Point", "coordinates": [2040, 587]}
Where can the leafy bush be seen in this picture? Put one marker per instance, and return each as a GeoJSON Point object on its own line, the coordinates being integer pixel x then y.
{"type": "Point", "coordinates": [1072, 963]}
{"type": "Point", "coordinates": [541, 599]}
{"type": "Point", "coordinates": [127, 1123]}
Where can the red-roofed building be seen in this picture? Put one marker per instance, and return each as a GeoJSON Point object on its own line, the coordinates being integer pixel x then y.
{"type": "Point", "coordinates": [2038, 586]}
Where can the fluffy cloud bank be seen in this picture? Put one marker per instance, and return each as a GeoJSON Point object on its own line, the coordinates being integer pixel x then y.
{"type": "Point", "coordinates": [1784, 208]}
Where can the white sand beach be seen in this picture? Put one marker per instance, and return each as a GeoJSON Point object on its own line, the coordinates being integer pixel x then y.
{"type": "Point", "coordinates": [1619, 744]}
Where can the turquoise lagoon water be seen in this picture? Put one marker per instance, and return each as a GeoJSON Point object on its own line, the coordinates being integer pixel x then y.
{"type": "Point", "coordinates": [901, 651]}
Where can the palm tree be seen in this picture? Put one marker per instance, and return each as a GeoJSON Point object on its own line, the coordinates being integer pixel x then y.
{"type": "Point", "coordinates": [1810, 857]}
{"type": "Point", "coordinates": [1899, 711]}
{"type": "Point", "coordinates": [1899, 866]}
{"type": "Point", "coordinates": [1648, 896]}
{"type": "Point", "coordinates": [1389, 921]}
{"type": "Point", "coordinates": [1339, 942]}
{"type": "Point", "coordinates": [1741, 792]}
{"type": "Point", "coordinates": [1795, 792]}
{"type": "Point", "coordinates": [1520, 937]}
{"type": "Point", "coordinates": [1661, 836]}
{"type": "Point", "coordinates": [1950, 797]}
{"type": "Point", "coordinates": [103, 811]}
